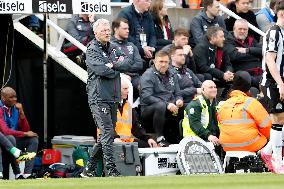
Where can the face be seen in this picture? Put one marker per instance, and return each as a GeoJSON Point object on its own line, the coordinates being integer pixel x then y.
{"type": "Point", "coordinates": [180, 40]}
{"type": "Point", "coordinates": [122, 31]}
{"type": "Point", "coordinates": [209, 89]}
{"type": "Point", "coordinates": [219, 39]}
{"type": "Point", "coordinates": [164, 11]}
{"type": "Point", "coordinates": [10, 99]}
{"type": "Point", "coordinates": [103, 33]}
{"type": "Point", "coordinates": [243, 6]}
{"type": "Point", "coordinates": [280, 16]}
{"type": "Point", "coordinates": [214, 9]}
{"type": "Point", "coordinates": [241, 31]}
{"type": "Point", "coordinates": [143, 5]}
{"type": "Point", "coordinates": [124, 90]}
{"type": "Point", "coordinates": [162, 64]}
{"type": "Point", "coordinates": [178, 57]}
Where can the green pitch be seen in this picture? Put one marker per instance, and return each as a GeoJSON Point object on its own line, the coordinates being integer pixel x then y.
{"type": "Point", "coordinates": [226, 181]}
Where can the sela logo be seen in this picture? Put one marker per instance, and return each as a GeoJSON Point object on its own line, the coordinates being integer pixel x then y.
{"type": "Point", "coordinates": [12, 6]}
{"type": "Point", "coordinates": [55, 7]}
{"type": "Point", "coordinates": [90, 7]}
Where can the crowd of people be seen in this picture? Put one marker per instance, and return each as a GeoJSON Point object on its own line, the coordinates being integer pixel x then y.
{"type": "Point", "coordinates": [179, 76]}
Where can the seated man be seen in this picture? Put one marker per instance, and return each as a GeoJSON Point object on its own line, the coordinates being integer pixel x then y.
{"type": "Point", "coordinates": [209, 16]}
{"type": "Point", "coordinates": [244, 123]}
{"type": "Point", "coordinates": [211, 60]}
{"type": "Point", "coordinates": [181, 39]}
{"type": "Point", "coordinates": [120, 30]}
{"type": "Point", "coordinates": [244, 51]}
{"type": "Point", "coordinates": [188, 82]}
{"type": "Point", "coordinates": [8, 143]}
{"type": "Point", "coordinates": [125, 131]}
{"type": "Point", "coordinates": [160, 98]}
{"type": "Point", "coordinates": [79, 27]}
{"type": "Point", "coordinates": [14, 122]}
{"type": "Point", "coordinates": [201, 119]}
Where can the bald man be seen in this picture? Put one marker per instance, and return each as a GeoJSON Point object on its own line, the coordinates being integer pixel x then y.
{"type": "Point", "coordinates": [201, 119]}
{"type": "Point", "coordinates": [13, 123]}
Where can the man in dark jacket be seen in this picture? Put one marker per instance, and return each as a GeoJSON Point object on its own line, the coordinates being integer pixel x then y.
{"type": "Point", "coordinates": [244, 51]}
{"type": "Point", "coordinates": [121, 30]}
{"type": "Point", "coordinates": [160, 99]}
{"type": "Point", "coordinates": [208, 17]}
{"type": "Point", "coordinates": [104, 64]}
{"type": "Point", "coordinates": [242, 9]}
{"type": "Point", "coordinates": [141, 27]}
{"type": "Point", "coordinates": [188, 82]}
{"type": "Point", "coordinates": [210, 59]}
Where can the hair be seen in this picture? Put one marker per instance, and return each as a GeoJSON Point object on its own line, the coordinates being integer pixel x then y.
{"type": "Point", "coordinates": [272, 4]}
{"type": "Point", "coordinates": [161, 54]}
{"type": "Point", "coordinates": [181, 31]}
{"type": "Point", "coordinates": [243, 21]}
{"type": "Point", "coordinates": [116, 23]}
{"type": "Point", "coordinates": [279, 5]}
{"type": "Point", "coordinates": [212, 31]}
{"type": "Point", "coordinates": [207, 3]}
{"type": "Point", "coordinates": [155, 8]}
{"type": "Point", "coordinates": [173, 49]}
{"type": "Point", "coordinates": [100, 22]}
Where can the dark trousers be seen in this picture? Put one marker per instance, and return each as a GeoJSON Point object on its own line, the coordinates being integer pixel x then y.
{"type": "Point", "coordinates": [105, 115]}
{"type": "Point", "coordinates": [162, 121]}
{"type": "Point", "coordinates": [6, 143]}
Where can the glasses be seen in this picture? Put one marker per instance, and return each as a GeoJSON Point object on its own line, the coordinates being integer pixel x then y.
{"type": "Point", "coordinates": [105, 31]}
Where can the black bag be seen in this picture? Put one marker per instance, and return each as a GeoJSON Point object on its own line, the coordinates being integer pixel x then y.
{"type": "Point", "coordinates": [127, 158]}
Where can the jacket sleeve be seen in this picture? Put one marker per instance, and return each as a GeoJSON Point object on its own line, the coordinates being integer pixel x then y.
{"type": "Point", "coordinates": [147, 89]}
{"type": "Point", "coordinates": [5, 129]}
{"type": "Point", "coordinates": [152, 38]}
{"type": "Point", "coordinates": [196, 30]}
{"type": "Point", "coordinates": [23, 124]}
{"type": "Point", "coordinates": [178, 95]}
{"type": "Point", "coordinates": [201, 60]}
{"type": "Point", "coordinates": [95, 61]}
{"type": "Point", "coordinates": [137, 64]}
{"type": "Point", "coordinates": [194, 115]}
{"type": "Point", "coordinates": [227, 63]}
{"type": "Point", "coordinates": [261, 117]}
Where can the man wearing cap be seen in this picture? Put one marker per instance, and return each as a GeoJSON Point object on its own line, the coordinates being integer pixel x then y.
{"type": "Point", "coordinates": [244, 123]}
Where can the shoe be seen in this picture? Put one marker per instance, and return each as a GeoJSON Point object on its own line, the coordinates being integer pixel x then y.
{"type": "Point", "coordinates": [20, 177]}
{"type": "Point", "coordinates": [1, 175]}
{"type": "Point", "coordinates": [266, 158]}
{"type": "Point", "coordinates": [87, 174]}
{"type": "Point", "coordinates": [26, 156]}
{"type": "Point", "coordinates": [113, 172]}
{"type": "Point", "coordinates": [31, 177]}
{"type": "Point", "coordinates": [163, 143]}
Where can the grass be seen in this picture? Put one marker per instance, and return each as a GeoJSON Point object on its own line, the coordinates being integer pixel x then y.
{"type": "Point", "coordinates": [250, 181]}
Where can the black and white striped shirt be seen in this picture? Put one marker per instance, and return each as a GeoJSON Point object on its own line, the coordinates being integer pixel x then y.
{"type": "Point", "coordinates": [273, 42]}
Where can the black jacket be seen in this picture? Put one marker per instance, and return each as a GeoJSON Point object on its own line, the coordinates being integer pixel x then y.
{"type": "Point", "coordinates": [156, 87]}
{"type": "Point", "coordinates": [204, 55]}
{"type": "Point", "coordinates": [199, 25]}
{"type": "Point", "coordinates": [161, 42]}
{"type": "Point", "coordinates": [243, 61]}
{"type": "Point", "coordinates": [136, 21]}
{"type": "Point", "coordinates": [104, 83]}
{"type": "Point", "coordinates": [188, 82]}
{"type": "Point", "coordinates": [249, 16]}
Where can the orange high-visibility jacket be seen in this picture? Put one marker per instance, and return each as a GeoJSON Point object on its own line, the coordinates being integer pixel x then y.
{"type": "Point", "coordinates": [244, 123]}
{"type": "Point", "coordinates": [123, 124]}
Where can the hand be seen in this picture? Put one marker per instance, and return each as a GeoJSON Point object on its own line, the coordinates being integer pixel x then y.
{"type": "Point", "coordinates": [117, 140]}
{"type": "Point", "coordinates": [172, 108]}
{"type": "Point", "coordinates": [19, 106]}
{"type": "Point", "coordinates": [120, 59]}
{"type": "Point", "coordinates": [148, 52]}
{"type": "Point", "coordinates": [91, 17]}
{"type": "Point", "coordinates": [30, 134]}
{"type": "Point", "coordinates": [179, 103]}
{"type": "Point", "coordinates": [228, 76]}
{"type": "Point", "coordinates": [281, 91]}
{"type": "Point", "coordinates": [214, 140]}
{"type": "Point", "coordinates": [241, 50]}
{"type": "Point", "coordinates": [187, 50]}
{"type": "Point", "coordinates": [152, 143]}
{"type": "Point", "coordinates": [109, 65]}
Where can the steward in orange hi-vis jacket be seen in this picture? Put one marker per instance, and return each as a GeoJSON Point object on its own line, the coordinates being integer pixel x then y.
{"type": "Point", "coordinates": [244, 123]}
